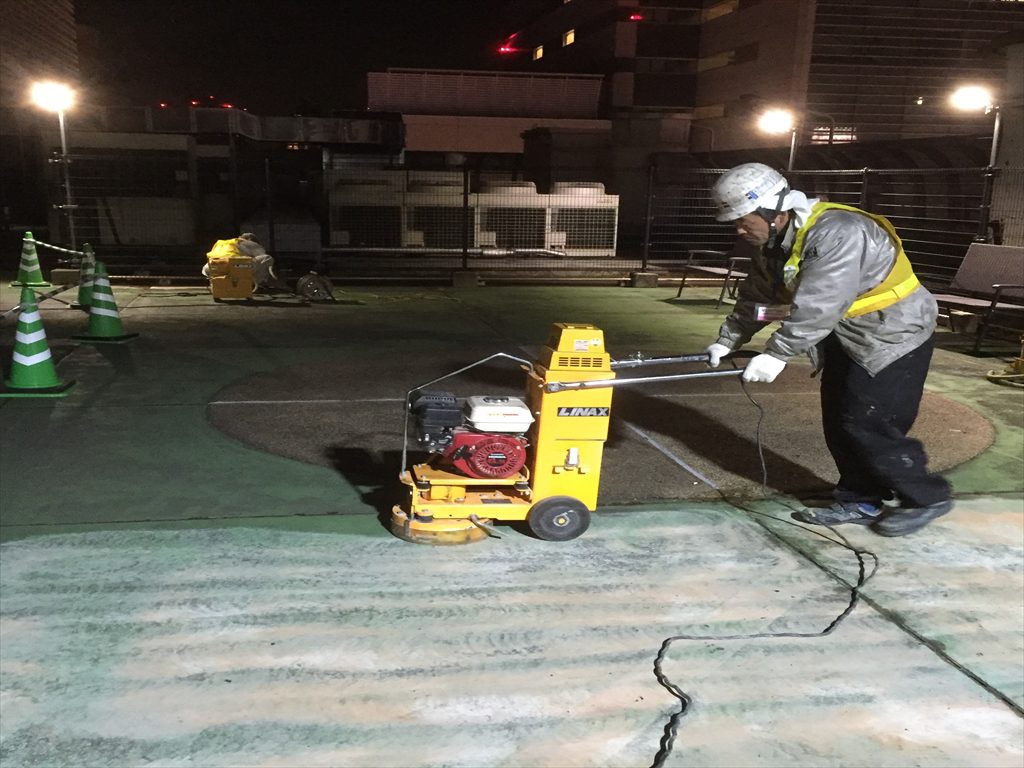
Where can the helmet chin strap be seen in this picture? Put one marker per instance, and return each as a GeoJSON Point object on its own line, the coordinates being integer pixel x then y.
{"type": "Point", "coordinates": [775, 236]}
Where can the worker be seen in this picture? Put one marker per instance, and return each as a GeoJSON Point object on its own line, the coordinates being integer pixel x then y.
{"type": "Point", "coordinates": [262, 262]}
{"type": "Point", "coordinates": [839, 280]}
{"type": "Point", "coordinates": [247, 245]}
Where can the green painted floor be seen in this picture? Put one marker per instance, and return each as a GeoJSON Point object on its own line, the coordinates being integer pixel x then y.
{"type": "Point", "coordinates": [194, 573]}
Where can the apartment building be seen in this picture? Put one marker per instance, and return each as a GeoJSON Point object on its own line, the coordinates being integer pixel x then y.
{"type": "Point", "coordinates": [856, 69]}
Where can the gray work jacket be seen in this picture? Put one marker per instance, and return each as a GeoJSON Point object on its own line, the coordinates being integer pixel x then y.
{"type": "Point", "coordinates": [845, 254]}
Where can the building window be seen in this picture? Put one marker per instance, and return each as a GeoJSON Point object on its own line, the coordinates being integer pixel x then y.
{"type": "Point", "coordinates": [709, 111]}
{"type": "Point", "coordinates": [725, 58]}
{"type": "Point", "coordinates": [569, 37]}
{"type": "Point", "coordinates": [723, 8]}
{"type": "Point", "coordinates": [843, 134]}
{"type": "Point", "coordinates": [538, 52]}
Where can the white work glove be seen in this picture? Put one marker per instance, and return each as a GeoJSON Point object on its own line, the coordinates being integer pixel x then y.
{"type": "Point", "coordinates": [763, 368]}
{"type": "Point", "coordinates": [717, 352]}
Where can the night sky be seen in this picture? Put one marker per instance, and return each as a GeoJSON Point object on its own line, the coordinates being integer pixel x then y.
{"type": "Point", "coordinates": [275, 56]}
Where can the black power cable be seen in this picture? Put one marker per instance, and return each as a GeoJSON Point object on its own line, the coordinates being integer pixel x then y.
{"type": "Point", "coordinates": [864, 575]}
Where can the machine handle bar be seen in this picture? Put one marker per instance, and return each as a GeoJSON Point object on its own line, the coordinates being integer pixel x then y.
{"type": "Point", "coordinates": [639, 360]}
{"type": "Point", "coordinates": [559, 386]}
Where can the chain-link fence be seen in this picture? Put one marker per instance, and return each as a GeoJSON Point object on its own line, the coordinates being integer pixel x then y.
{"type": "Point", "coordinates": [937, 212]}
{"type": "Point", "coordinates": [150, 210]}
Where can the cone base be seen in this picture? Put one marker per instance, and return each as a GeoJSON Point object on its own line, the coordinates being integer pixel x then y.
{"type": "Point", "coordinates": [124, 339]}
{"type": "Point", "coordinates": [58, 390]}
{"type": "Point", "coordinates": [18, 284]}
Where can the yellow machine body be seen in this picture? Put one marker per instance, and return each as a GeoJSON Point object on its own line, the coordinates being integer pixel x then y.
{"type": "Point", "coordinates": [230, 271]}
{"type": "Point", "coordinates": [566, 445]}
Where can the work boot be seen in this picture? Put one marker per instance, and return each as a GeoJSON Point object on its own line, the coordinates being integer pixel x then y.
{"type": "Point", "coordinates": [859, 513]}
{"type": "Point", "coordinates": [901, 521]}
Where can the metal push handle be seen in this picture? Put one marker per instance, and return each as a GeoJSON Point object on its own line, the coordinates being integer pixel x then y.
{"type": "Point", "coordinates": [559, 386]}
{"type": "Point", "coordinates": [638, 360]}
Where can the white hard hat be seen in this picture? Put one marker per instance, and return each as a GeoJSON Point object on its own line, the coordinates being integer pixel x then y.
{"type": "Point", "coordinates": [747, 188]}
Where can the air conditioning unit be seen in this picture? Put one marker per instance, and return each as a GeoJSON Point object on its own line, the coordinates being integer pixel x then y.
{"type": "Point", "coordinates": [365, 208]}
{"type": "Point", "coordinates": [511, 215]}
{"type": "Point", "coordinates": [434, 216]}
{"type": "Point", "coordinates": [584, 220]}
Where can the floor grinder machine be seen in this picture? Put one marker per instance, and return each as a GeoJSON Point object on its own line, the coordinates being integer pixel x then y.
{"type": "Point", "coordinates": [535, 459]}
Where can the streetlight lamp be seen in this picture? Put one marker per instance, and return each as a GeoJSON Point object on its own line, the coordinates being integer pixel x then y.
{"type": "Point", "coordinates": [57, 97]}
{"type": "Point", "coordinates": [974, 98]}
{"type": "Point", "coordinates": [785, 121]}
{"type": "Point", "coordinates": [780, 121]}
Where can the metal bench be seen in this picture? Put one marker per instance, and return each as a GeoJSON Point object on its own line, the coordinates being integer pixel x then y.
{"type": "Point", "coordinates": [715, 264]}
{"type": "Point", "coordinates": [987, 275]}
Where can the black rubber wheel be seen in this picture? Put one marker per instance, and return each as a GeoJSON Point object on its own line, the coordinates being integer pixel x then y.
{"type": "Point", "coordinates": [315, 287]}
{"type": "Point", "coordinates": [558, 518]}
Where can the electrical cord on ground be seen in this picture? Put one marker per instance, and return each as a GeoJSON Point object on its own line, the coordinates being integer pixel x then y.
{"type": "Point", "coordinates": [668, 738]}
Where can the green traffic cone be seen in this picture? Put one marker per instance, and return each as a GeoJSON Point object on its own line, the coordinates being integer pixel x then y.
{"type": "Point", "coordinates": [104, 322]}
{"type": "Point", "coordinates": [32, 370]}
{"type": "Point", "coordinates": [86, 276]}
{"type": "Point", "coordinates": [29, 272]}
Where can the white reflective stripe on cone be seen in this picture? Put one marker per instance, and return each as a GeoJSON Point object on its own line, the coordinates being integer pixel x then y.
{"type": "Point", "coordinates": [102, 311]}
{"type": "Point", "coordinates": [28, 338]}
{"type": "Point", "coordinates": [30, 317]}
{"type": "Point", "coordinates": [38, 357]}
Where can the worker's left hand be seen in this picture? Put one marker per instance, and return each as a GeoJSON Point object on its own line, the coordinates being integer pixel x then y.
{"type": "Point", "coordinates": [763, 368]}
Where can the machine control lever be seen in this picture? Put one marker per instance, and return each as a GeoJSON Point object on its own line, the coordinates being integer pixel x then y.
{"type": "Point", "coordinates": [559, 386]}
{"type": "Point", "coordinates": [638, 360]}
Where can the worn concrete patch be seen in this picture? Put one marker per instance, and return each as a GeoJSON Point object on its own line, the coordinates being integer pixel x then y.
{"type": "Point", "coordinates": [273, 648]}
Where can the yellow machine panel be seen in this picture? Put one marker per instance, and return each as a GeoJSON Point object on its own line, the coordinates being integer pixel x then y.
{"type": "Point", "coordinates": [231, 277]}
{"type": "Point", "coordinates": [571, 426]}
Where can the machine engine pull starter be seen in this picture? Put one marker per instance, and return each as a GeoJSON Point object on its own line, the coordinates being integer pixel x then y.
{"type": "Point", "coordinates": [535, 459]}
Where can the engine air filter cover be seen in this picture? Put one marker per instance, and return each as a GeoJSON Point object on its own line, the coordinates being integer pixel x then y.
{"type": "Point", "coordinates": [491, 413]}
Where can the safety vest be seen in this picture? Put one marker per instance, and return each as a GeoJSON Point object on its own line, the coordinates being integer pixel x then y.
{"type": "Point", "coordinates": [900, 281]}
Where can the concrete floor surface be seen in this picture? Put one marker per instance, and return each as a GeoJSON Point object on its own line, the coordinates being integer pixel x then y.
{"type": "Point", "coordinates": [193, 572]}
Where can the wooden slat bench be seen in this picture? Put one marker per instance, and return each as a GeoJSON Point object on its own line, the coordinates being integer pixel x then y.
{"type": "Point", "coordinates": [989, 284]}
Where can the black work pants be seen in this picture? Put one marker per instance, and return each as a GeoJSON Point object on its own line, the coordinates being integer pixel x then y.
{"type": "Point", "coordinates": [866, 420]}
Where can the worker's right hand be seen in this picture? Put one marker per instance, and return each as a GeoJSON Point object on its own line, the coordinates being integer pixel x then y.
{"type": "Point", "coordinates": [716, 352]}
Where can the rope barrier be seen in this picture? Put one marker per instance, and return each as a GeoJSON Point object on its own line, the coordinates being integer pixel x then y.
{"type": "Point", "coordinates": [53, 247]}
{"type": "Point", "coordinates": [42, 297]}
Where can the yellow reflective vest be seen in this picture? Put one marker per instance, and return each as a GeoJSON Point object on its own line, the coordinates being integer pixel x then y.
{"type": "Point", "coordinates": [900, 281]}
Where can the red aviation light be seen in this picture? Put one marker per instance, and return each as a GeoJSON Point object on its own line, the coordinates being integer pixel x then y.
{"type": "Point", "coordinates": [509, 46]}
{"type": "Point", "coordinates": [636, 17]}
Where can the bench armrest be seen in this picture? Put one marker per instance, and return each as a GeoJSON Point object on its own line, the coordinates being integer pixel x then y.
{"type": "Point", "coordinates": [699, 256]}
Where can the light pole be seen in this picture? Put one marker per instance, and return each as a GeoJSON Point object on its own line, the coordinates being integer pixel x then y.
{"type": "Point", "coordinates": [780, 121]}
{"type": "Point", "coordinates": [57, 97]}
{"type": "Point", "coordinates": [975, 98]}
{"type": "Point", "coordinates": [784, 120]}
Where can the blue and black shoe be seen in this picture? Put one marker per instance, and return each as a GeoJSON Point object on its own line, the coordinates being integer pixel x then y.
{"type": "Point", "coordinates": [857, 513]}
{"type": "Point", "coordinates": [901, 521]}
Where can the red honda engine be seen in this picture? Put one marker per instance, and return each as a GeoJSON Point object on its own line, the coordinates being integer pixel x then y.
{"type": "Point", "coordinates": [484, 439]}
{"type": "Point", "coordinates": [486, 455]}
